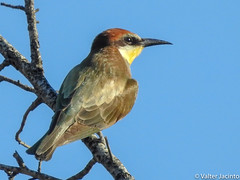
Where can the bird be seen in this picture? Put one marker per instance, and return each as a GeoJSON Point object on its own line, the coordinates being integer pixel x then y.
{"type": "Point", "coordinates": [96, 93]}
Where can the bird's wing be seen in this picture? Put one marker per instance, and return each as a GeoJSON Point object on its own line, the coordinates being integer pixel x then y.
{"type": "Point", "coordinates": [93, 117]}
{"type": "Point", "coordinates": [88, 99]}
{"type": "Point", "coordinates": [65, 112]}
{"type": "Point", "coordinates": [109, 105]}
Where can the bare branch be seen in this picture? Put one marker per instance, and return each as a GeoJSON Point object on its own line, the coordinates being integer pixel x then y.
{"type": "Point", "coordinates": [19, 160]}
{"type": "Point", "coordinates": [85, 171]}
{"type": "Point", "coordinates": [13, 6]}
{"type": "Point", "coordinates": [10, 53]}
{"type": "Point", "coordinates": [17, 83]}
{"type": "Point", "coordinates": [13, 170]}
{"type": "Point", "coordinates": [101, 155]}
{"type": "Point", "coordinates": [35, 104]}
{"type": "Point", "coordinates": [32, 73]}
{"type": "Point", "coordinates": [10, 174]}
{"type": "Point", "coordinates": [4, 64]}
{"type": "Point", "coordinates": [33, 33]}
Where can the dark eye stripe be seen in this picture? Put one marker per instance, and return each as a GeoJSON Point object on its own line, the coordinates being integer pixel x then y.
{"type": "Point", "coordinates": [131, 40]}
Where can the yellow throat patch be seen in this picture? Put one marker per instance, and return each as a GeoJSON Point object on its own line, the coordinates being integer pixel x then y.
{"type": "Point", "coordinates": [130, 52]}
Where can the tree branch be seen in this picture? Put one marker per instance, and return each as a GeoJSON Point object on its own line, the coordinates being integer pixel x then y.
{"type": "Point", "coordinates": [17, 83]}
{"type": "Point", "coordinates": [10, 53]}
{"type": "Point", "coordinates": [13, 170]}
{"type": "Point", "coordinates": [101, 155]}
{"type": "Point", "coordinates": [34, 74]}
{"type": "Point", "coordinates": [4, 64]}
{"type": "Point", "coordinates": [85, 171]}
{"type": "Point", "coordinates": [19, 160]}
{"type": "Point", "coordinates": [13, 6]}
{"type": "Point", "coordinates": [33, 33]}
{"type": "Point", "coordinates": [35, 104]}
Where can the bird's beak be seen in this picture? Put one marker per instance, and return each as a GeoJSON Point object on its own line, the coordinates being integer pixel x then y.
{"type": "Point", "coordinates": [152, 42]}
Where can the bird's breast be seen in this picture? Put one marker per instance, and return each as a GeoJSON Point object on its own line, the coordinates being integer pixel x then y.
{"type": "Point", "coordinates": [110, 62]}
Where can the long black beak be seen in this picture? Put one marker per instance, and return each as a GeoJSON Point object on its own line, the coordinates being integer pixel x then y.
{"type": "Point", "coordinates": [152, 42]}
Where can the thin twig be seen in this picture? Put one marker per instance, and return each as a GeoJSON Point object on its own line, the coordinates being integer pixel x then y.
{"type": "Point", "coordinates": [17, 83]}
{"type": "Point", "coordinates": [12, 177]}
{"type": "Point", "coordinates": [85, 171]}
{"type": "Point", "coordinates": [19, 160]}
{"type": "Point", "coordinates": [4, 64]}
{"type": "Point", "coordinates": [12, 171]}
{"type": "Point", "coordinates": [35, 104]}
{"type": "Point", "coordinates": [33, 33]}
{"type": "Point", "coordinates": [10, 174]}
{"type": "Point", "coordinates": [13, 6]}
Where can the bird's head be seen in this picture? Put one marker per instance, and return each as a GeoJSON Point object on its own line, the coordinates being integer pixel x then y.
{"type": "Point", "coordinates": [130, 45]}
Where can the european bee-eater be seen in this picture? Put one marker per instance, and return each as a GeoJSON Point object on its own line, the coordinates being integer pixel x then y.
{"type": "Point", "coordinates": [96, 93]}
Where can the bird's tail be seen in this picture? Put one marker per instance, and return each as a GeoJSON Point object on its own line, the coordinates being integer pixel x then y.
{"type": "Point", "coordinates": [47, 155]}
{"type": "Point", "coordinates": [44, 147]}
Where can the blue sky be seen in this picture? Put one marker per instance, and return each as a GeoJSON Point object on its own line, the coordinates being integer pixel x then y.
{"type": "Point", "coordinates": [186, 118]}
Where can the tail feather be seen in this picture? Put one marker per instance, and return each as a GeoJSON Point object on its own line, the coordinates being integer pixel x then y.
{"type": "Point", "coordinates": [45, 156]}
{"type": "Point", "coordinates": [32, 150]}
{"type": "Point", "coordinates": [49, 140]}
{"type": "Point", "coordinates": [44, 148]}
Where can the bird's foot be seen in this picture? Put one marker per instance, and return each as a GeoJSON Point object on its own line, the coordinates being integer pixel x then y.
{"type": "Point", "coordinates": [39, 165]}
{"type": "Point", "coordinates": [105, 141]}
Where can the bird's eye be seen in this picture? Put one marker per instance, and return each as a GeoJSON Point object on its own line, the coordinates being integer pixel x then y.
{"type": "Point", "coordinates": [130, 40]}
